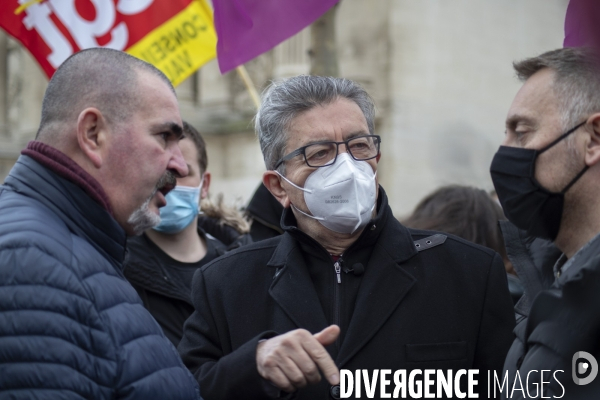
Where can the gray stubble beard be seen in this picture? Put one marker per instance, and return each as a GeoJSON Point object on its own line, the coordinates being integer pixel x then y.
{"type": "Point", "coordinates": [142, 218]}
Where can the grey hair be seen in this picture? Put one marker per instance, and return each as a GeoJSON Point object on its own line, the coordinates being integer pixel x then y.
{"type": "Point", "coordinates": [97, 77]}
{"type": "Point", "coordinates": [285, 100]}
{"type": "Point", "coordinates": [576, 81]}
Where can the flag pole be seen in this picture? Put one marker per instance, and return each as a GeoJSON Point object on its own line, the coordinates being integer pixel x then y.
{"type": "Point", "coordinates": [249, 85]}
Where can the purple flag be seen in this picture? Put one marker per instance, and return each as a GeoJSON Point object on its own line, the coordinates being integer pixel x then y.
{"type": "Point", "coordinates": [582, 27]}
{"type": "Point", "coordinates": [248, 28]}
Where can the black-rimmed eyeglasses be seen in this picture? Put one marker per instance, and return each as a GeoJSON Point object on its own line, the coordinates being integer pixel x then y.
{"type": "Point", "coordinates": [322, 154]}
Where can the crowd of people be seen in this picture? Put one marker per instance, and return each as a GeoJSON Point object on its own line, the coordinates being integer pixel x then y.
{"type": "Point", "coordinates": [120, 279]}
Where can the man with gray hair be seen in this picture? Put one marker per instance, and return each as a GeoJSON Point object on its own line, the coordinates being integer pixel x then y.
{"type": "Point", "coordinates": [346, 286]}
{"type": "Point", "coordinates": [547, 175]}
{"type": "Point", "coordinates": [105, 156]}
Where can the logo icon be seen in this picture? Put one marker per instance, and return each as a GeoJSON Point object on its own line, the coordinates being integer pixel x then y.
{"type": "Point", "coordinates": [584, 363]}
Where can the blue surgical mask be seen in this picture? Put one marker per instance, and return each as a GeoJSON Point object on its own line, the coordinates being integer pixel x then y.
{"type": "Point", "coordinates": [183, 205]}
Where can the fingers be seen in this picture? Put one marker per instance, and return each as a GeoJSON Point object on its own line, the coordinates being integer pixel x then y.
{"type": "Point", "coordinates": [328, 335]}
{"type": "Point", "coordinates": [292, 361]}
{"type": "Point", "coordinates": [281, 379]}
{"type": "Point", "coordinates": [320, 356]}
{"type": "Point", "coordinates": [294, 374]}
{"type": "Point", "coordinates": [283, 361]}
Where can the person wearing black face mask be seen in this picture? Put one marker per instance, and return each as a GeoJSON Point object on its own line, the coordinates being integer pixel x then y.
{"type": "Point", "coordinates": [546, 175]}
{"type": "Point", "coordinates": [526, 202]}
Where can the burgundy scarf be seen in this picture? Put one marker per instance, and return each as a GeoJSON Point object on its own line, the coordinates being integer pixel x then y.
{"type": "Point", "coordinates": [62, 165]}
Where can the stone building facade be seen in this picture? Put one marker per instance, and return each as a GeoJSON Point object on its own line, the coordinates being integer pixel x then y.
{"type": "Point", "coordinates": [439, 71]}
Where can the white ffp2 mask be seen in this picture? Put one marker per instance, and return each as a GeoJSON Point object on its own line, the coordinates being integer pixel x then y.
{"type": "Point", "coordinates": [341, 196]}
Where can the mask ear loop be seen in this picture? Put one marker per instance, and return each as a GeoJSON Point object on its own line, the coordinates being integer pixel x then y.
{"type": "Point", "coordinates": [304, 190]}
{"type": "Point", "coordinates": [574, 180]}
{"type": "Point", "coordinates": [561, 137]}
{"type": "Point", "coordinates": [200, 195]}
{"type": "Point", "coordinates": [309, 216]}
{"type": "Point", "coordinates": [292, 183]}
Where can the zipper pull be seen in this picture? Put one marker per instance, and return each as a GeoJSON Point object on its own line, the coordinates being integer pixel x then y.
{"type": "Point", "coordinates": [338, 271]}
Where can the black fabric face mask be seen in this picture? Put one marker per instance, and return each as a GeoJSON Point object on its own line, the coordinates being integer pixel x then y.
{"type": "Point", "coordinates": [526, 203]}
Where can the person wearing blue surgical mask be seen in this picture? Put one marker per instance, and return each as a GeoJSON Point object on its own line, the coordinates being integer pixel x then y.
{"type": "Point", "coordinates": [183, 207]}
{"type": "Point", "coordinates": [162, 261]}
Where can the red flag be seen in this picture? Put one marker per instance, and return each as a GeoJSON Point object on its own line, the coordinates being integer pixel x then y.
{"type": "Point", "coordinates": [248, 28]}
{"type": "Point", "coordinates": [177, 36]}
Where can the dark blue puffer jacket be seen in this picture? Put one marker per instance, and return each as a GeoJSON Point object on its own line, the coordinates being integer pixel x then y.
{"type": "Point", "coordinates": [71, 326]}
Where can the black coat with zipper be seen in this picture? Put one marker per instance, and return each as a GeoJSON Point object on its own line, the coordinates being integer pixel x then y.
{"type": "Point", "coordinates": [446, 307]}
{"type": "Point", "coordinates": [556, 318]}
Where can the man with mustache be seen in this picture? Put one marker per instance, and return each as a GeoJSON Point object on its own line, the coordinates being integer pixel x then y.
{"type": "Point", "coordinates": [105, 156]}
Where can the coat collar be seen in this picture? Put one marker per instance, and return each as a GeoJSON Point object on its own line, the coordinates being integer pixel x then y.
{"type": "Point", "coordinates": [84, 216]}
{"type": "Point", "coordinates": [385, 282]}
{"type": "Point", "coordinates": [292, 287]}
{"type": "Point", "coordinates": [403, 248]}
{"type": "Point", "coordinates": [59, 163]}
{"type": "Point", "coordinates": [532, 259]}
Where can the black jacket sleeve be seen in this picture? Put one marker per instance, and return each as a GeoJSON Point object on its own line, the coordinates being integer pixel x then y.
{"type": "Point", "coordinates": [563, 324]}
{"type": "Point", "coordinates": [221, 376]}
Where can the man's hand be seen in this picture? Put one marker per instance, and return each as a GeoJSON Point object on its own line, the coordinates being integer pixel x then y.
{"type": "Point", "coordinates": [293, 360]}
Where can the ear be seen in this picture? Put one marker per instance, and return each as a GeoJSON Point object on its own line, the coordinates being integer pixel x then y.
{"type": "Point", "coordinates": [378, 157]}
{"type": "Point", "coordinates": [92, 135]}
{"type": "Point", "coordinates": [592, 151]}
{"type": "Point", "coordinates": [205, 185]}
{"type": "Point", "coordinates": [273, 182]}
